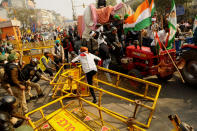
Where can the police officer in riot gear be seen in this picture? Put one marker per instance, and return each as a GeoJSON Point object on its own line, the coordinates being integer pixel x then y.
{"type": "Point", "coordinates": [9, 113]}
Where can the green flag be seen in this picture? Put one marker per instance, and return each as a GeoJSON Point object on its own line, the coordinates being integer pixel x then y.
{"type": "Point", "coordinates": [152, 8]}
{"type": "Point", "coordinates": [172, 21]}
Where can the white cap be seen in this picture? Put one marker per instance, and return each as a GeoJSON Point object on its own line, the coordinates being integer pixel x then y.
{"type": "Point", "coordinates": [153, 19]}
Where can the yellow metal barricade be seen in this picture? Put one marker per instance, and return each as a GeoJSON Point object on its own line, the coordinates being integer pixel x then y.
{"type": "Point", "coordinates": [143, 97]}
{"type": "Point", "coordinates": [65, 118]}
{"type": "Point", "coordinates": [33, 49]}
{"type": "Point", "coordinates": [62, 84]}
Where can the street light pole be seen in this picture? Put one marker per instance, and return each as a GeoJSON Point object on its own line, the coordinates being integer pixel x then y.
{"type": "Point", "coordinates": [74, 15]}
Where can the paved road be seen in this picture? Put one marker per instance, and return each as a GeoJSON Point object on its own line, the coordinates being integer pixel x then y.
{"type": "Point", "coordinates": [175, 98]}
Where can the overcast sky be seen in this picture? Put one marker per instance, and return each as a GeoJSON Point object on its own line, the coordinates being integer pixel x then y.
{"type": "Point", "coordinates": [64, 7]}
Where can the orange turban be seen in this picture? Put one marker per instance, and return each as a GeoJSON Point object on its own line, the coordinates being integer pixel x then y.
{"type": "Point", "coordinates": [83, 49]}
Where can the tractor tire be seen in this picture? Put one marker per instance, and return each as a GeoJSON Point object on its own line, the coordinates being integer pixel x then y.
{"type": "Point", "coordinates": [189, 71]}
{"type": "Point", "coordinates": [164, 79]}
{"type": "Point", "coordinates": [136, 73]}
{"type": "Point", "coordinates": [136, 85]}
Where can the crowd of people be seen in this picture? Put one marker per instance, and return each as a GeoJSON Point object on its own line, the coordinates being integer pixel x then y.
{"type": "Point", "coordinates": [107, 44]}
{"type": "Point", "coordinates": [17, 78]}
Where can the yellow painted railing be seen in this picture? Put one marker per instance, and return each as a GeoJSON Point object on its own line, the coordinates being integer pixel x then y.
{"type": "Point", "coordinates": [146, 94]}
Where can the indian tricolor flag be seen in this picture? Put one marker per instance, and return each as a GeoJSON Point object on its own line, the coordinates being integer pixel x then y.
{"type": "Point", "coordinates": [140, 19]}
{"type": "Point", "coordinates": [172, 21]}
{"type": "Point", "coordinates": [152, 8]}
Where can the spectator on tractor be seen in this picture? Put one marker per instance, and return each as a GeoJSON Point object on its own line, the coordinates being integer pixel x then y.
{"type": "Point", "coordinates": [58, 53]}
{"type": "Point", "coordinates": [146, 40]}
{"type": "Point", "coordinates": [12, 72]}
{"type": "Point", "coordinates": [113, 41]}
{"type": "Point", "coordinates": [128, 39]}
{"type": "Point", "coordinates": [118, 23]}
{"type": "Point", "coordinates": [163, 36]}
{"type": "Point", "coordinates": [103, 50]}
{"type": "Point", "coordinates": [44, 64]}
{"type": "Point", "coordinates": [151, 31]}
{"type": "Point", "coordinates": [89, 67]}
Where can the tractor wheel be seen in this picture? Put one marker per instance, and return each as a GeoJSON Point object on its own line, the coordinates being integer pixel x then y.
{"type": "Point", "coordinates": [164, 79]}
{"type": "Point", "coordinates": [189, 71]}
{"type": "Point", "coordinates": [136, 73]}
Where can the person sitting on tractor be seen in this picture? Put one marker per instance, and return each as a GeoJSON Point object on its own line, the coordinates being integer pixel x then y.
{"type": "Point", "coordinates": [89, 67]}
{"type": "Point", "coordinates": [163, 36]}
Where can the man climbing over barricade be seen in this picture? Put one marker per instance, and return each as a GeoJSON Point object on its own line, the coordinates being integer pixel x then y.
{"type": "Point", "coordinates": [89, 67]}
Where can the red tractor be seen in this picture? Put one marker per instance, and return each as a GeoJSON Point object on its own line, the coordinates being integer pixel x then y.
{"type": "Point", "coordinates": [189, 58]}
{"type": "Point", "coordinates": [141, 62]}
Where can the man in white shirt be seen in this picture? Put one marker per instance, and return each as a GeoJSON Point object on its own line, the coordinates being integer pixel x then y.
{"type": "Point", "coordinates": [58, 53]}
{"type": "Point", "coordinates": [89, 67]}
{"type": "Point", "coordinates": [163, 36]}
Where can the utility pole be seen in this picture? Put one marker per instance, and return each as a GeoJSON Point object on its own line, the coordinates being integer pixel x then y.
{"type": "Point", "coordinates": [74, 14]}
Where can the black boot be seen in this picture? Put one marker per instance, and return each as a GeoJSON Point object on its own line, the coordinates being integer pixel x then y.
{"type": "Point", "coordinates": [94, 101]}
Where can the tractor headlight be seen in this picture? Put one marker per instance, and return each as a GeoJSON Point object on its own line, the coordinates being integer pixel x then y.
{"type": "Point", "coordinates": [146, 62]}
{"type": "Point", "coordinates": [126, 60]}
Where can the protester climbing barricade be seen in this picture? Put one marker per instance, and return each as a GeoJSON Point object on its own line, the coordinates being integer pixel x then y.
{"type": "Point", "coordinates": [117, 98]}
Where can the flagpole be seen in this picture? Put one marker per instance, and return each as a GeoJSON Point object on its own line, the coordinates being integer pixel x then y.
{"type": "Point", "coordinates": [173, 62]}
